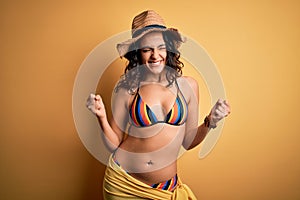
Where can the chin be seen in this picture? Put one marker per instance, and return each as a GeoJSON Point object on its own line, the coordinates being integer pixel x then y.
{"type": "Point", "coordinates": [157, 69]}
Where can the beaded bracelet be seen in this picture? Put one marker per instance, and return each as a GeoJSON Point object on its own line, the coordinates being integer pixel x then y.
{"type": "Point", "coordinates": [208, 124]}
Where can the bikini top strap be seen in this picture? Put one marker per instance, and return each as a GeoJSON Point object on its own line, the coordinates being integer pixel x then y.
{"type": "Point", "coordinates": [136, 94]}
{"type": "Point", "coordinates": [176, 83]}
{"type": "Point", "coordinates": [179, 92]}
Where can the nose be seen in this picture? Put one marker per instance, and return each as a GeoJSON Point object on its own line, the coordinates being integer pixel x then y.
{"type": "Point", "coordinates": [155, 53]}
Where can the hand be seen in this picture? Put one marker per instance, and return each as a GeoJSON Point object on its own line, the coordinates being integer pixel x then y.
{"type": "Point", "coordinates": [220, 110]}
{"type": "Point", "coordinates": [95, 104]}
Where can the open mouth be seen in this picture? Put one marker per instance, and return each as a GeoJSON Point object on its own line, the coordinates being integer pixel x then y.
{"type": "Point", "coordinates": [155, 62]}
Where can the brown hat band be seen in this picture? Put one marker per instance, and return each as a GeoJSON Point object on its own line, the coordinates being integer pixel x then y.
{"type": "Point", "coordinates": [139, 31]}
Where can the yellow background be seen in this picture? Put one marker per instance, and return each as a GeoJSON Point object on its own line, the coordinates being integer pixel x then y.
{"type": "Point", "coordinates": [255, 45]}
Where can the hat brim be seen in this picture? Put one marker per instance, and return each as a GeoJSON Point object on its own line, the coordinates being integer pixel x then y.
{"type": "Point", "coordinates": [123, 47]}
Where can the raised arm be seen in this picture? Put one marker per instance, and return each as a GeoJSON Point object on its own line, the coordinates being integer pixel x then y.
{"type": "Point", "coordinates": [195, 133]}
{"type": "Point", "coordinates": [113, 131]}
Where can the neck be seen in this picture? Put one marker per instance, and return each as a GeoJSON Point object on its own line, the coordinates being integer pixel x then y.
{"type": "Point", "coordinates": [158, 78]}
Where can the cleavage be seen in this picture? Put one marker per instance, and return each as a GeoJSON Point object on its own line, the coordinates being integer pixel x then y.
{"type": "Point", "coordinates": [160, 100]}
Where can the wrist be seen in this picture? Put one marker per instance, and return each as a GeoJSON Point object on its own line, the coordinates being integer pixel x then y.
{"type": "Point", "coordinates": [101, 118]}
{"type": "Point", "coordinates": [208, 122]}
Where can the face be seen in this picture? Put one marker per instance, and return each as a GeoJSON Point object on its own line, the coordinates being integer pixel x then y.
{"type": "Point", "coordinates": [153, 52]}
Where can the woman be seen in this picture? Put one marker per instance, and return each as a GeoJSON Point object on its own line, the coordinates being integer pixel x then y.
{"type": "Point", "coordinates": [155, 113]}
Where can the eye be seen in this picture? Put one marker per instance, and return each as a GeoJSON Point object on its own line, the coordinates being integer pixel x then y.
{"type": "Point", "coordinates": [162, 48]}
{"type": "Point", "coordinates": [146, 50]}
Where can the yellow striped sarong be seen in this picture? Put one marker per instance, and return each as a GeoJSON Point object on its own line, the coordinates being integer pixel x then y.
{"type": "Point", "coordinates": [119, 185]}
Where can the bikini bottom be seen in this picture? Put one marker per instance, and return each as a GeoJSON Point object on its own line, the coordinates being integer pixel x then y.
{"type": "Point", "coordinates": [169, 185]}
{"type": "Point", "coordinates": [120, 185]}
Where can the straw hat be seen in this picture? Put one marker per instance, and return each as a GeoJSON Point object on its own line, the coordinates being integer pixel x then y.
{"type": "Point", "coordinates": [144, 23]}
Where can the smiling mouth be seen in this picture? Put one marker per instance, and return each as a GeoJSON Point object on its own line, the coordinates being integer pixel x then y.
{"type": "Point", "coordinates": [155, 63]}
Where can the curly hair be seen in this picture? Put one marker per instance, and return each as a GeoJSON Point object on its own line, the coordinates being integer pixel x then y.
{"type": "Point", "coordinates": [133, 74]}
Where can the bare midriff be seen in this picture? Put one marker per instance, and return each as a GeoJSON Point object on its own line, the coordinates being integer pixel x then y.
{"type": "Point", "coordinates": [151, 159]}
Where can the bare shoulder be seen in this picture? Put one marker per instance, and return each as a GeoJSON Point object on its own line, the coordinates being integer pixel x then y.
{"type": "Point", "coordinates": [189, 87]}
{"type": "Point", "coordinates": [121, 95]}
{"type": "Point", "coordinates": [190, 81]}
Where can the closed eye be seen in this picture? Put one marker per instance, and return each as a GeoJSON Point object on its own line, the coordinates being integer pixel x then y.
{"type": "Point", "coordinates": [145, 50]}
{"type": "Point", "coordinates": [162, 47]}
{"type": "Point", "coordinates": [148, 49]}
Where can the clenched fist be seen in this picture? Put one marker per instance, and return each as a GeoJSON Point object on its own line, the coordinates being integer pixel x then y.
{"type": "Point", "coordinates": [95, 104]}
{"type": "Point", "coordinates": [220, 110]}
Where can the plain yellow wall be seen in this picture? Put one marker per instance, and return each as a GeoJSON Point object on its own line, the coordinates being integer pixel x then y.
{"type": "Point", "coordinates": [255, 45]}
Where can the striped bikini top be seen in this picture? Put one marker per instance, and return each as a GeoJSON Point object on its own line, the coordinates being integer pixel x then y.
{"type": "Point", "coordinates": [142, 116]}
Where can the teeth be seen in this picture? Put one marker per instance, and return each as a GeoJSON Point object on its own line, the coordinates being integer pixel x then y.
{"type": "Point", "coordinates": [157, 62]}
